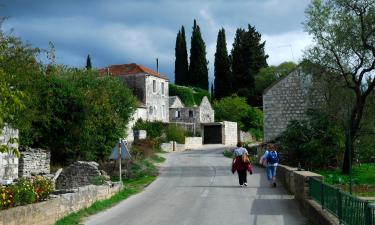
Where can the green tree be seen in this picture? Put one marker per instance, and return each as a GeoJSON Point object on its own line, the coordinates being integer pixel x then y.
{"type": "Point", "coordinates": [343, 34]}
{"type": "Point", "coordinates": [181, 62]}
{"type": "Point", "coordinates": [235, 108]}
{"type": "Point", "coordinates": [88, 62]}
{"type": "Point", "coordinates": [222, 67]}
{"type": "Point", "coordinates": [248, 57]}
{"type": "Point", "coordinates": [198, 70]}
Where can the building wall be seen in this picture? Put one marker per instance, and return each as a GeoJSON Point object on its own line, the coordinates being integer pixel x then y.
{"type": "Point", "coordinates": [8, 162]}
{"type": "Point", "coordinates": [285, 101]}
{"type": "Point", "coordinates": [136, 83]}
{"type": "Point", "coordinates": [177, 103]}
{"type": "Point", "coordinates": [33, 162]}
{"type": "Point", "coordinates": [157, 102]}
{"type": "Point", "coordinates": [229, 133]}
{"type": "Point", "coordinates": [207, 114]}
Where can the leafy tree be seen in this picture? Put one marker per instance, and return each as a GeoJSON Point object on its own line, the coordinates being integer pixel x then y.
{"type": "Point", "coordinates": [315, 142]}
{"type": "Point", "coordinates": [198, 70]}
{"type": "Point", "coordinates": [222, 67]}
{"type": "Point", "coordinates": [344, 46]}
{"type": "Point", "coordinates": [248, 57]}
{"type": "Point", "coordinates": [234, 108]}
{"type": "Point", "coordinates": [88, 62]}
{"type": "Point", "coordinates": [268, 76]}
{"type": "Point", "coordinates": [181, 63]}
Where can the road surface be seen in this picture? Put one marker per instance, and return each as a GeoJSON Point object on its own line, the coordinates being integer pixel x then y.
{"type": "Point", "coordinates": [197, 188]}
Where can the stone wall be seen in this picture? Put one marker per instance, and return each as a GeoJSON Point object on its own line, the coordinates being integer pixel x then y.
{"type": "Point", "coordinates": [77, 175]}
{"type": "Point", "coordinates": [8, 161]}
{"type": "Point", "coordinates": [229, 133]}
{"type": "Point", "coordinates": [48, 212]}
{"type": "Point", "coordinates": [172, 146]}
{"type": "Point", "coordinates": [157, 102]}
{"type": "Point", "coordinates": [33, 162]}
{"type": "Point", "coordinates": [193, 142]}
{"type": "Point", "coordinates": [244, 136]}
{"type": "Point", "coordinates": [286, 100]}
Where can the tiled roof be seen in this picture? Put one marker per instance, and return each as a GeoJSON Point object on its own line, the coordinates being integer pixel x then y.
{"type": "Point", "coordinates": [128, 69]}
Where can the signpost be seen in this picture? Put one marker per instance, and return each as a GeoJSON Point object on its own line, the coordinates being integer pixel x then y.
{"type": "Point", "coordinates": [120, 151]}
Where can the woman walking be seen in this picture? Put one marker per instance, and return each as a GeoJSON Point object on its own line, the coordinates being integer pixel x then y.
{"type": "Point", "coordinates": [270, 159]}
{"type": "Point", "coordinates": [241, 164]}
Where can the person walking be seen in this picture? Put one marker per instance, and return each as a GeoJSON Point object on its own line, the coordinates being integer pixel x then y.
{"type": "Point", "coordinates": [241, 164]}
{"type": "Point", "coordinates": [270, 160]}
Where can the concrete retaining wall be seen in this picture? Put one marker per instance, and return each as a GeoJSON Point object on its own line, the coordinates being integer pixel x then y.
{"type": "Point", "coordinates": [193, 142]}
{"type": "Point", "coordinates": [48, 212]}
{"type": "Point", "coordinates": [168, 147]}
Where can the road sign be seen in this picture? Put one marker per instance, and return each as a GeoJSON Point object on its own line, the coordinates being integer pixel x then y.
{"type": "Point", "coordinates": [120, 151]}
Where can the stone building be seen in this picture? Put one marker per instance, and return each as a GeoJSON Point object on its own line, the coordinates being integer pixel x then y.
{"type": "Point", "coordinates": [8, 161]}
{"type": "Point", "coordinates": [191, 117]}
{"type": "Point", "coordinates": [286, 100]}
{"type": "Point", "coordinates": [33, 162]}
{"type": "Point", "coordinates": [149, 87]}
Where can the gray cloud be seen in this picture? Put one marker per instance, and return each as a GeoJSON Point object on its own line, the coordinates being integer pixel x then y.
{"type": "Point", "coordinates": [116, 31]}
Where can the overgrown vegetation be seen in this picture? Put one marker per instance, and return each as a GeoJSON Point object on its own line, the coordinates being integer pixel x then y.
{"type": "Point", "coordinates": [190, 96]}
{"type": "Point", "coordinates": [234, 108]}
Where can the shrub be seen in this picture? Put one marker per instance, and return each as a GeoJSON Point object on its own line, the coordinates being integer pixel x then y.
{"type": "Point", "coordinates": [153, 129]}
{"type": "Point", "coordinates": [24, 192]}
{"type": "Point", "coordinates": [176, 133]}
{"type": "Point", "coordinates": [42, 187]}
{"type": "Point", "coordinates": [190, 96]}
{"type": "Point", "coordinates": [7, 197]}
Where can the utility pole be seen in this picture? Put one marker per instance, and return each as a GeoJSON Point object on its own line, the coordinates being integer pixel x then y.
{"type": "Point", "coordinates": [119, 153]}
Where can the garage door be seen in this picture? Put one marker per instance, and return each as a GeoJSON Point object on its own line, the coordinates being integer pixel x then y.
{"type": "Point", "coordinates": [212, 134]}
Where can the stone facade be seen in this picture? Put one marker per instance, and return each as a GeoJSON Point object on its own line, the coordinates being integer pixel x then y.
{"type": "Point", "coordinates": [8, 161]}
{"type": "Point", "coordinates": [191, 115]}
{"type": "Point", "coordinates": [230, 133]}
{"type": "Point", "coordinates": [225, 133]}
{"type": "Point", "coordinates": [33, 162]}
{"type": "Point", "coordinates": [287, 100]}
{"type": "Point", "coordinates": [193, 142]}
{"type": "Point", "coordinates": [77, 175]}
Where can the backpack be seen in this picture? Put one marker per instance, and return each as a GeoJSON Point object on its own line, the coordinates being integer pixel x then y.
{"type": "Point", "coordinates": [245, 158]}
{"type": "Point", "coordinates": [272, 157]}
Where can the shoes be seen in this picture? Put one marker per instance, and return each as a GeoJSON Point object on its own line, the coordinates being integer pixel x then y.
{"type": "Point", "coordinates": [274, 184]}
{"type": "Point", "coordinates": [241, 185]}
{"type": "Point", "coordinates": [245, 184]}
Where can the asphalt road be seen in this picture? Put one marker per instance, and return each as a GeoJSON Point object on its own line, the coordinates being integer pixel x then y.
{"type": "Point", "coordinates": [197, 188]}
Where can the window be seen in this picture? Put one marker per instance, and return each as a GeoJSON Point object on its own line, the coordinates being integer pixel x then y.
{"type": "Point", "coordinates": [154, 85]}
{"type": "Point", "coordinates": [162, 88]}
{"type": "Point", "coordinates": [177, 114]}
{"type": "Point", "coordinates": [150, 110]}
{"type": "Point", "coordinates": [191, 114]}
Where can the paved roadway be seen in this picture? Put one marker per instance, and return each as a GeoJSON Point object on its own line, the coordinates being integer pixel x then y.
{"type": "Point", "coordinates": [197, 188]}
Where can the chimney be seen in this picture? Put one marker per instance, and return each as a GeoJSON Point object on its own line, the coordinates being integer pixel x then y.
{"type": "Point", "coordinates": [157, 65]}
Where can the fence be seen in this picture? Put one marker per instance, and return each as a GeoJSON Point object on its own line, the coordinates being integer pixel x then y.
{"type": "Point", "coordinates": [348, 209]}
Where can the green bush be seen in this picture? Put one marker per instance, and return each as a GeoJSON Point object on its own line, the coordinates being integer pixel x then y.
{"type": "Point", "coordinates": [316, 142]}
{"type": "Point", "coordinates": [42, 187]}
{"type": "Point", "coordinates": [153, 129]}
{"type": "Point", "coordinates": [24, 192]}
{"type": "Point", "coordinates": [176, 133]}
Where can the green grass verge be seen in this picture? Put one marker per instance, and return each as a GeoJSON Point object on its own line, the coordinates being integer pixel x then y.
{"type": "Point", "coordinates": [363, 179]}
{"type": "Point", "coordinates": [158, 159]}
{"type": "Point", "coordinates": [228, 153]}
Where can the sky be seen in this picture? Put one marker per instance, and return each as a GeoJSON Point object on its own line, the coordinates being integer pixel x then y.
{"type": "Point", "coordinates": [139, 31]}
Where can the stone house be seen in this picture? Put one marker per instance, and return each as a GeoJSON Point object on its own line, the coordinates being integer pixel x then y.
{"type": "Point", "coordinates": [191, 117]}
{"type": "Point", "coordinates": [288, 99]}
{"type": "Point", "coordinates": [149, 87]}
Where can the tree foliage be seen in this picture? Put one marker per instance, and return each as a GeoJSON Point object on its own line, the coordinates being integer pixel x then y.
{"type": "Point", "coordinates": [181, 63]}
{"type": "Point", "coordinates": [343, 32]}
{"type": "Point", "coordinates": [198, 70]}
{"type": "Point", "coordinates": [88, 63]}
{"type": "Point", "coordinates": [248, 57]}
{"type": "Point", "coordinates": [222, 67]}
{"type": "Point", "coordinates": [235, 108]}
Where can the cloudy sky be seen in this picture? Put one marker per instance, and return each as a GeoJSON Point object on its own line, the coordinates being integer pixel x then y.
{"type": "Point", "coordinates": [125, 31]}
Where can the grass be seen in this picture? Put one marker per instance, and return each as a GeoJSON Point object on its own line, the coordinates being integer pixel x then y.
{"type": "Point", "coordinates": [145, 173]}
{"type": "Point", "coordinates": [228, 153]}
{"type": "Point", "coordinates": [363, 179]}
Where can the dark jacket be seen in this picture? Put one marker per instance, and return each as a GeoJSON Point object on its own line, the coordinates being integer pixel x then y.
{"type": "Point", "coordinates": [238, 164]}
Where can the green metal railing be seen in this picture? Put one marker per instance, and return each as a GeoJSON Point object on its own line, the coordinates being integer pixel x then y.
{"type": "Point", "coordinates": [349, 209]}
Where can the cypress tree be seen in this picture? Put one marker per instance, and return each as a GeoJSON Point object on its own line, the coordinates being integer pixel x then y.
{"type": "Point", "coordinates": [181, 63]}
{"type": "Point", "coordinates": [248, 57]}
{"type": "Point", "coordinates": [88, 63]}
{"type": "Point", "coordinates": [198, 71]}
{"type": "Point", "coordinates": [222, 67]}
{"type": "Point", "coordinates": [212, 91]}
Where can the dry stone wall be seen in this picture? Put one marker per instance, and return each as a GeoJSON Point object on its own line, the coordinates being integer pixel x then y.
{"type": "Point", "coordinates": [77, 175]}
{"type": "Point", "coordinates": [33, 162]}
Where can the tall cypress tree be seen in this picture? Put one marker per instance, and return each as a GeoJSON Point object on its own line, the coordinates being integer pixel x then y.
{"type": "Point", "coordinates": [88, 63]}
{"type": "Point", "coordinates": [198, 71]}
{"type": "Point", "coordinates": [222, 67]}
{"type": "Point", "coordinates": [181, 63]}
{"type": "Point", "coordinates": [248, 57]}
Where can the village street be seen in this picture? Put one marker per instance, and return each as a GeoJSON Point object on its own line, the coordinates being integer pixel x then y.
{"type": "Point", "coordinates": [197, 188]}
